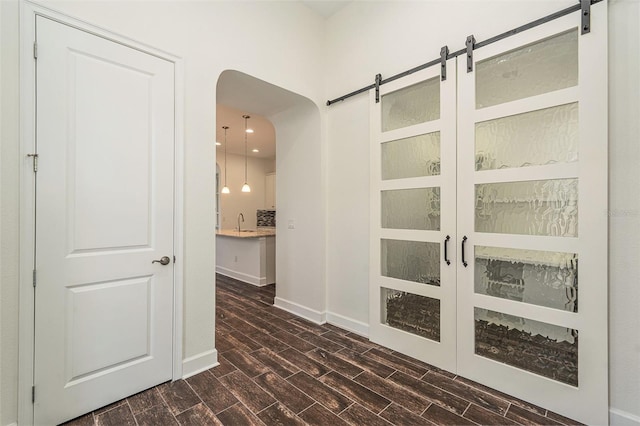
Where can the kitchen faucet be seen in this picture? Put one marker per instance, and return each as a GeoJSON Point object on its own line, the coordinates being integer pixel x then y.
{"type": "Point", "coordinates": [240, 215]}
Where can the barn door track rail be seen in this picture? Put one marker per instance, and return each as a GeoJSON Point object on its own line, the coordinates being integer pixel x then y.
{"type": "Point", "coordinates": [584, 6]}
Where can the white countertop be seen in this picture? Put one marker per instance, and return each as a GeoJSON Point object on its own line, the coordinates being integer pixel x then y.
{"type": "Point", "coordinates": [246, 233]}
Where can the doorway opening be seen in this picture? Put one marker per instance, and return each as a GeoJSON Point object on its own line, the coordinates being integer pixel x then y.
{"type": "Point", "coordinates": [285, 205]}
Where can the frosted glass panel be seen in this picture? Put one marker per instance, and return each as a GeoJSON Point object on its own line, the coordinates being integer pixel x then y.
{"type": "Point", "coordinates": [411, 157]}
{"type": "Point", "coordinates": [546, 136]}
{"type": "Point", "coordinates": [545, 349]}
{"type": "Point", "coordinates": [541, 278]}
{"type": "Point", "coordinates": [410, 261]}
{"type": "Point", "coordinates": [539, 68]}
{"type": "Point", "coordinates": [411, 209]}
{"type": "Point", "coordinates": [541, 207]}
{"type": "Point", "coordinates": [411, 105]}
{"type": "Point", "coordinates": [415, 314]}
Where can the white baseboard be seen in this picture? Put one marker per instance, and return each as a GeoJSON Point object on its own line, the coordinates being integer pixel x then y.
{"type": "Point", "coordinates": [199, 363]}
{"type": "Point", "coordinates": [347, 323]}
{"type": "Point", "coordinates": [301, 311]}
{"type": "Point", "coordinates": [622, 418]}
{"type": "Point", "coordinates": [240, 276]}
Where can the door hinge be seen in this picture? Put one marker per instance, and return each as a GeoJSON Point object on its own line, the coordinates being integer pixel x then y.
{"type": "Point", "coordinates": [35, 162]}
{"type": "Point", "coordinates": [34, 278]}
{"type": "Point", "coordinates": [33, 394]}
{"type": "Point", "coordinates": [35, 50]}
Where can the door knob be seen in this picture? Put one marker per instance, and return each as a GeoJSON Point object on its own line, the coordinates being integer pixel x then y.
{"type": "Point", "coordinates": [163, 261]}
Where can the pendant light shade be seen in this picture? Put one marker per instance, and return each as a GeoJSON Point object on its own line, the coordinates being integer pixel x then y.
{"type": "Point", "coordinates": [225, 188]}
{"type": "Point", "coordinates": [245, 187]}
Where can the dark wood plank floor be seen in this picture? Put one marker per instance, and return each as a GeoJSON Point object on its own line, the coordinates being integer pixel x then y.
{"type": "Point", "coordinates": [279, 369]}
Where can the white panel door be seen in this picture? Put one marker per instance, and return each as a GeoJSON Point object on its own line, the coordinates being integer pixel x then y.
{"type": "Point", "coordinates": [413, 203]}
{"type": "Point", "coordinates": [105, 140]}
{"type": "Point", "coordinates": [532, 197]}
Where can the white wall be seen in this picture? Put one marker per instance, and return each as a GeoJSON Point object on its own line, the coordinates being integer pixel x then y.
{"type": "Point", "coordinates": [394, 36]}
{"type": "Point", "coordinates": [262, 39]}
{"type": "Point", "coordinates": [237, 201]}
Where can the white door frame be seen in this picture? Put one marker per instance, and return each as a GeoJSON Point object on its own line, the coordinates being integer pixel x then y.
{"type": "Point", "coordinates": [28, 13]}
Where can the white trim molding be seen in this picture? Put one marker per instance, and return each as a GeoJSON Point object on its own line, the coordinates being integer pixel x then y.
{"type": "Point", "coordinates": [355, 326]}
{"type": "Point", "coordinates": [199, 363]}
{"type": "Point", "coordinates": [622, 418]}
{"type": "Point", "coordinates": [301, 311]}
{"type": "Point", "coordinates": [240, 276]}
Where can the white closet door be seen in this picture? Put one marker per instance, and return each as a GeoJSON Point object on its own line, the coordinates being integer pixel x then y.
{"type": "Point", "coordinates": [413, 202]}
{"type": "Point", "coordinates": [103, 308]}
{"type": "Point", "coordinates": [532, 201]}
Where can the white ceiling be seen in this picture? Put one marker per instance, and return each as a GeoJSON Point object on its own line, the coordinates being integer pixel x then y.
{"type": "Point", "coordinates": [238, 94]}
{"type": "Point", "coordinates": [325, 8]}
{"type": "Point", "coordinates": [263, 138]}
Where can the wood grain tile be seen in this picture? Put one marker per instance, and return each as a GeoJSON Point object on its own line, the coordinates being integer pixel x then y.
{"type": "Point", "coordinates": [178, 396]}
{"type": "Point", "coordinates": [305, 363]}
{"type": "Point", "coordinates": [283, 324]}
{"type": "Point", "coordinates": [213, 393]}
{"type": "Point", "coordinates": [275, 362]}
{"type": "Point", "coordinates": [289, 395]}
{"type": "Point", "coordinates": [564, 420]}
{"type": "Point", "coordinates": [525, 417]}
{"type": "Point", "coordinates": [317, 415]}
{"type": "Point", "coordinates": [308, 325]}
{"type": "Point", "coordinates": [434, 394]}
{"type": "Point", "coordinates": [486, 417]}
{"type": "Point", "coordinates": [118, 416]}
{"type": "Point", "coordinates": [109, 407]}
{"type": "Point", "coordinates": [242, 326]}
{"type": "Point", "coordinates": [242, 342]}
{"type": "Point", "coordinates": [249, 393]}
{"type": "Point", "coordinates": [158, 415]}
{"type": "Point", "coordinates": [245, 363]}
{"type": "Point", "coordinates": [86, 420]}
{"type": "Point", "coordinates": [438, 415]}
{"type": "Point", "coordinates": [294, 341]}
{"type": "Point", "coordinates": [331, 399]}
{"type": "Point", "coordinates": [334, 362]}
{"type": "Point", "coordinates": [394, 392]}
{"type": "Point", "coordinates": [224, 368]}
{"type": "Point", "coordinates": [423, 364]}
{"type": "Point", "coordinates": [365, 363]}
{"type": "Point", "coordinates": [280, 313]}
{"type": "Point", "coordinates": [467, 392]}
{"type": "Point", "coordinates": [347, 342]}
{"type": "Point", "coordinates": [198, 415]}
{"type": "Point", "coordinates": [396, 362]}
{"type": "Point", "coordinates": [260, 324]}
{"type": "Point", "coordinates": [320, 341]}
{"type": "Point", "coordinates": [355, 391]}
{"type": "Point", "coordinates": [335, 329]}
{"type": "Point", "coordinates": [400, 416]}
{"type": "Point", "coordinates": [508, 398]}
{"type": "Point", "coordinates": [145, 400]}
{"type": "Point", "coordinates": [278, 414]}
{"type": "Point", "coordinates": [269, 342]}
{"type": "Point", "coordinates": [239, 415]}
{"type": "Point", "coordinates": [358, 415]}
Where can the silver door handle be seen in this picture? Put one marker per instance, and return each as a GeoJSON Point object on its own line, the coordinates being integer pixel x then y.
{"type": "Point", "coordinates": [163, 261]}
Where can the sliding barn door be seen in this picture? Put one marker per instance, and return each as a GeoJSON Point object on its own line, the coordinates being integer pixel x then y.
{"type": "Point", "coordinates": [413, 202]}
{"type": "Point", "coordinates": [532, 217]}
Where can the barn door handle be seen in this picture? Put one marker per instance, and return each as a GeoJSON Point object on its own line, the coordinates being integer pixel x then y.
{"type": "Point", "coordinates": [164, 260]}
{"type": "Point", "coordinates": [446, 244]}
{"type": "Point", "coordinates": [464, 240]}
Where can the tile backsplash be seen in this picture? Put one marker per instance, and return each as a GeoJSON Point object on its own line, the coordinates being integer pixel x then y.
{"type": "Point", "coordinates": [266, 218]}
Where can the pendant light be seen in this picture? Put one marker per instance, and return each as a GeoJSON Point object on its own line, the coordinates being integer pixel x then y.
{"type": "Point", "coordinates": [245, 187]}
{"type": "Point", "coordinates": [225, 188]}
